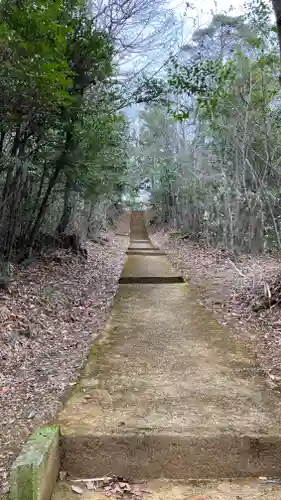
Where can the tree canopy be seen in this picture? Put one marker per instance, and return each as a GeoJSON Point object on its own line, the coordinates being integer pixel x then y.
{"type": "Point", "coordinates": [209, 141]}
{"type": "Point", "coordinates": [207, 145]}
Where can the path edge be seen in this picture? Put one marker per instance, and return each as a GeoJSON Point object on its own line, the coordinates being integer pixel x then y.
{"type": "Point", "coordinates": [35, 471]}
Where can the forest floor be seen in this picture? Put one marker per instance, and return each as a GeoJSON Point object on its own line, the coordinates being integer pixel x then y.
{"type": "Point", "coordinates": [233, 291]}
{"type": "Point", "coordinates": [49, 317]}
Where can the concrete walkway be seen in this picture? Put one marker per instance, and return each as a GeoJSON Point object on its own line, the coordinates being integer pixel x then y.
{"type": "Point", "coordinates": [167, 393]}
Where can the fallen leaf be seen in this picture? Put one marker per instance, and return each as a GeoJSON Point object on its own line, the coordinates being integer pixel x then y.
{"type": "Point", "coordinates": [62, 475]}
{"type": "Point", "coordinates": [6, 489]}
{"type": "Point", "coordinates": [90, 485]}
{"type": "Point", "coordinates": [77, 489]}
{"type": "Point", "coordinates": [197, 498]}
{"type": "Point", "coordinates": [94, 479]}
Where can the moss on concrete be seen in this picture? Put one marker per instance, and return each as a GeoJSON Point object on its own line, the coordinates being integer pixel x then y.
{"type": "Point", "coordinates": [34, 472]}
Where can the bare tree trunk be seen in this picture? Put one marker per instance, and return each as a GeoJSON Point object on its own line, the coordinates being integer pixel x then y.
{"type": "Point", "coordinates": [67, 206]}
{"type": "Point", "coordinates": [10, 171]}
{"type": "Point", "coordinates": [2, 138]}
{"type": "Point", "coordinates": [43, 207]}
{"type": "Point", "coordinates": [19, 182]}
{"type": "Point", "coordinates": [60, 164]}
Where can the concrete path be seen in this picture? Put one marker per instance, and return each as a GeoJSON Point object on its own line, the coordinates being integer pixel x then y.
{"type": "Point", "coordinates": [167, 393]}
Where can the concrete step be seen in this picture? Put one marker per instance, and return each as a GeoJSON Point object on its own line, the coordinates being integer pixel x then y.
{"type": "Point", "coordinates": [145, 252]}
{"type": "Point", "coordinates": [143, 245]}
{"type": "Point", "coordinates": [148, 266]}
{"type": "Point", "coordinates": [167, 391]}
{"type": "Point", "coordinates": [151, 280]}
{"type": "Point", "coordinates": [150, 455]}
{"type": "Point", "coordinates": [140, 240]}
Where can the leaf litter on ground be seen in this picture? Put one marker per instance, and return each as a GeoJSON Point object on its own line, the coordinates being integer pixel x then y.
{"type": "Point", "coordinates": [49, 317]}
{"type": "Point", "coordinates": [113, 487]}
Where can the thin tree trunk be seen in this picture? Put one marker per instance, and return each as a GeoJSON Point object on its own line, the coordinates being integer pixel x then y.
{"type": "Point", "coordinates": [18, 183]}
{"type": "Point", "coordinates": [10, 172]}
{"type": "Point", "coordinates": [60, 164]}
{"type": "Point", "coordinates": [2, 138]}
{"type": "Point", "coordinates": [38, 197]}
{"type": "Point", "coordinates": [67, 206]}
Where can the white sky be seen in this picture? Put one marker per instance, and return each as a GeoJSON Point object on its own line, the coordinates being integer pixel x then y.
{"type": "Point", "coordinates": [202, 8]}
{"type": "Point", "coordinates": [199, 13]}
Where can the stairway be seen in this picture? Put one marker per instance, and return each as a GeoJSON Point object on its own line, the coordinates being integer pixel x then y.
{"type": "Point", "coordinates": [168, 396]}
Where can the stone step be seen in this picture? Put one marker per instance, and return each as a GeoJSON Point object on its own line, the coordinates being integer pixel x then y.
{"type": "Point", "coordinates": [146, 249]}
{"type": "Point", "coordinates": [169, 392]}
{"type": "Point", "coordinates": [145, 252]}
{"type": "Point", "coordinates": [149, 266]}
{"type": "Point", "coordinates": [142, 245]}
{"type": "Point", "coordinates": [151, 280]}
{"type": "Point", "coordinates": [151, 456]}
